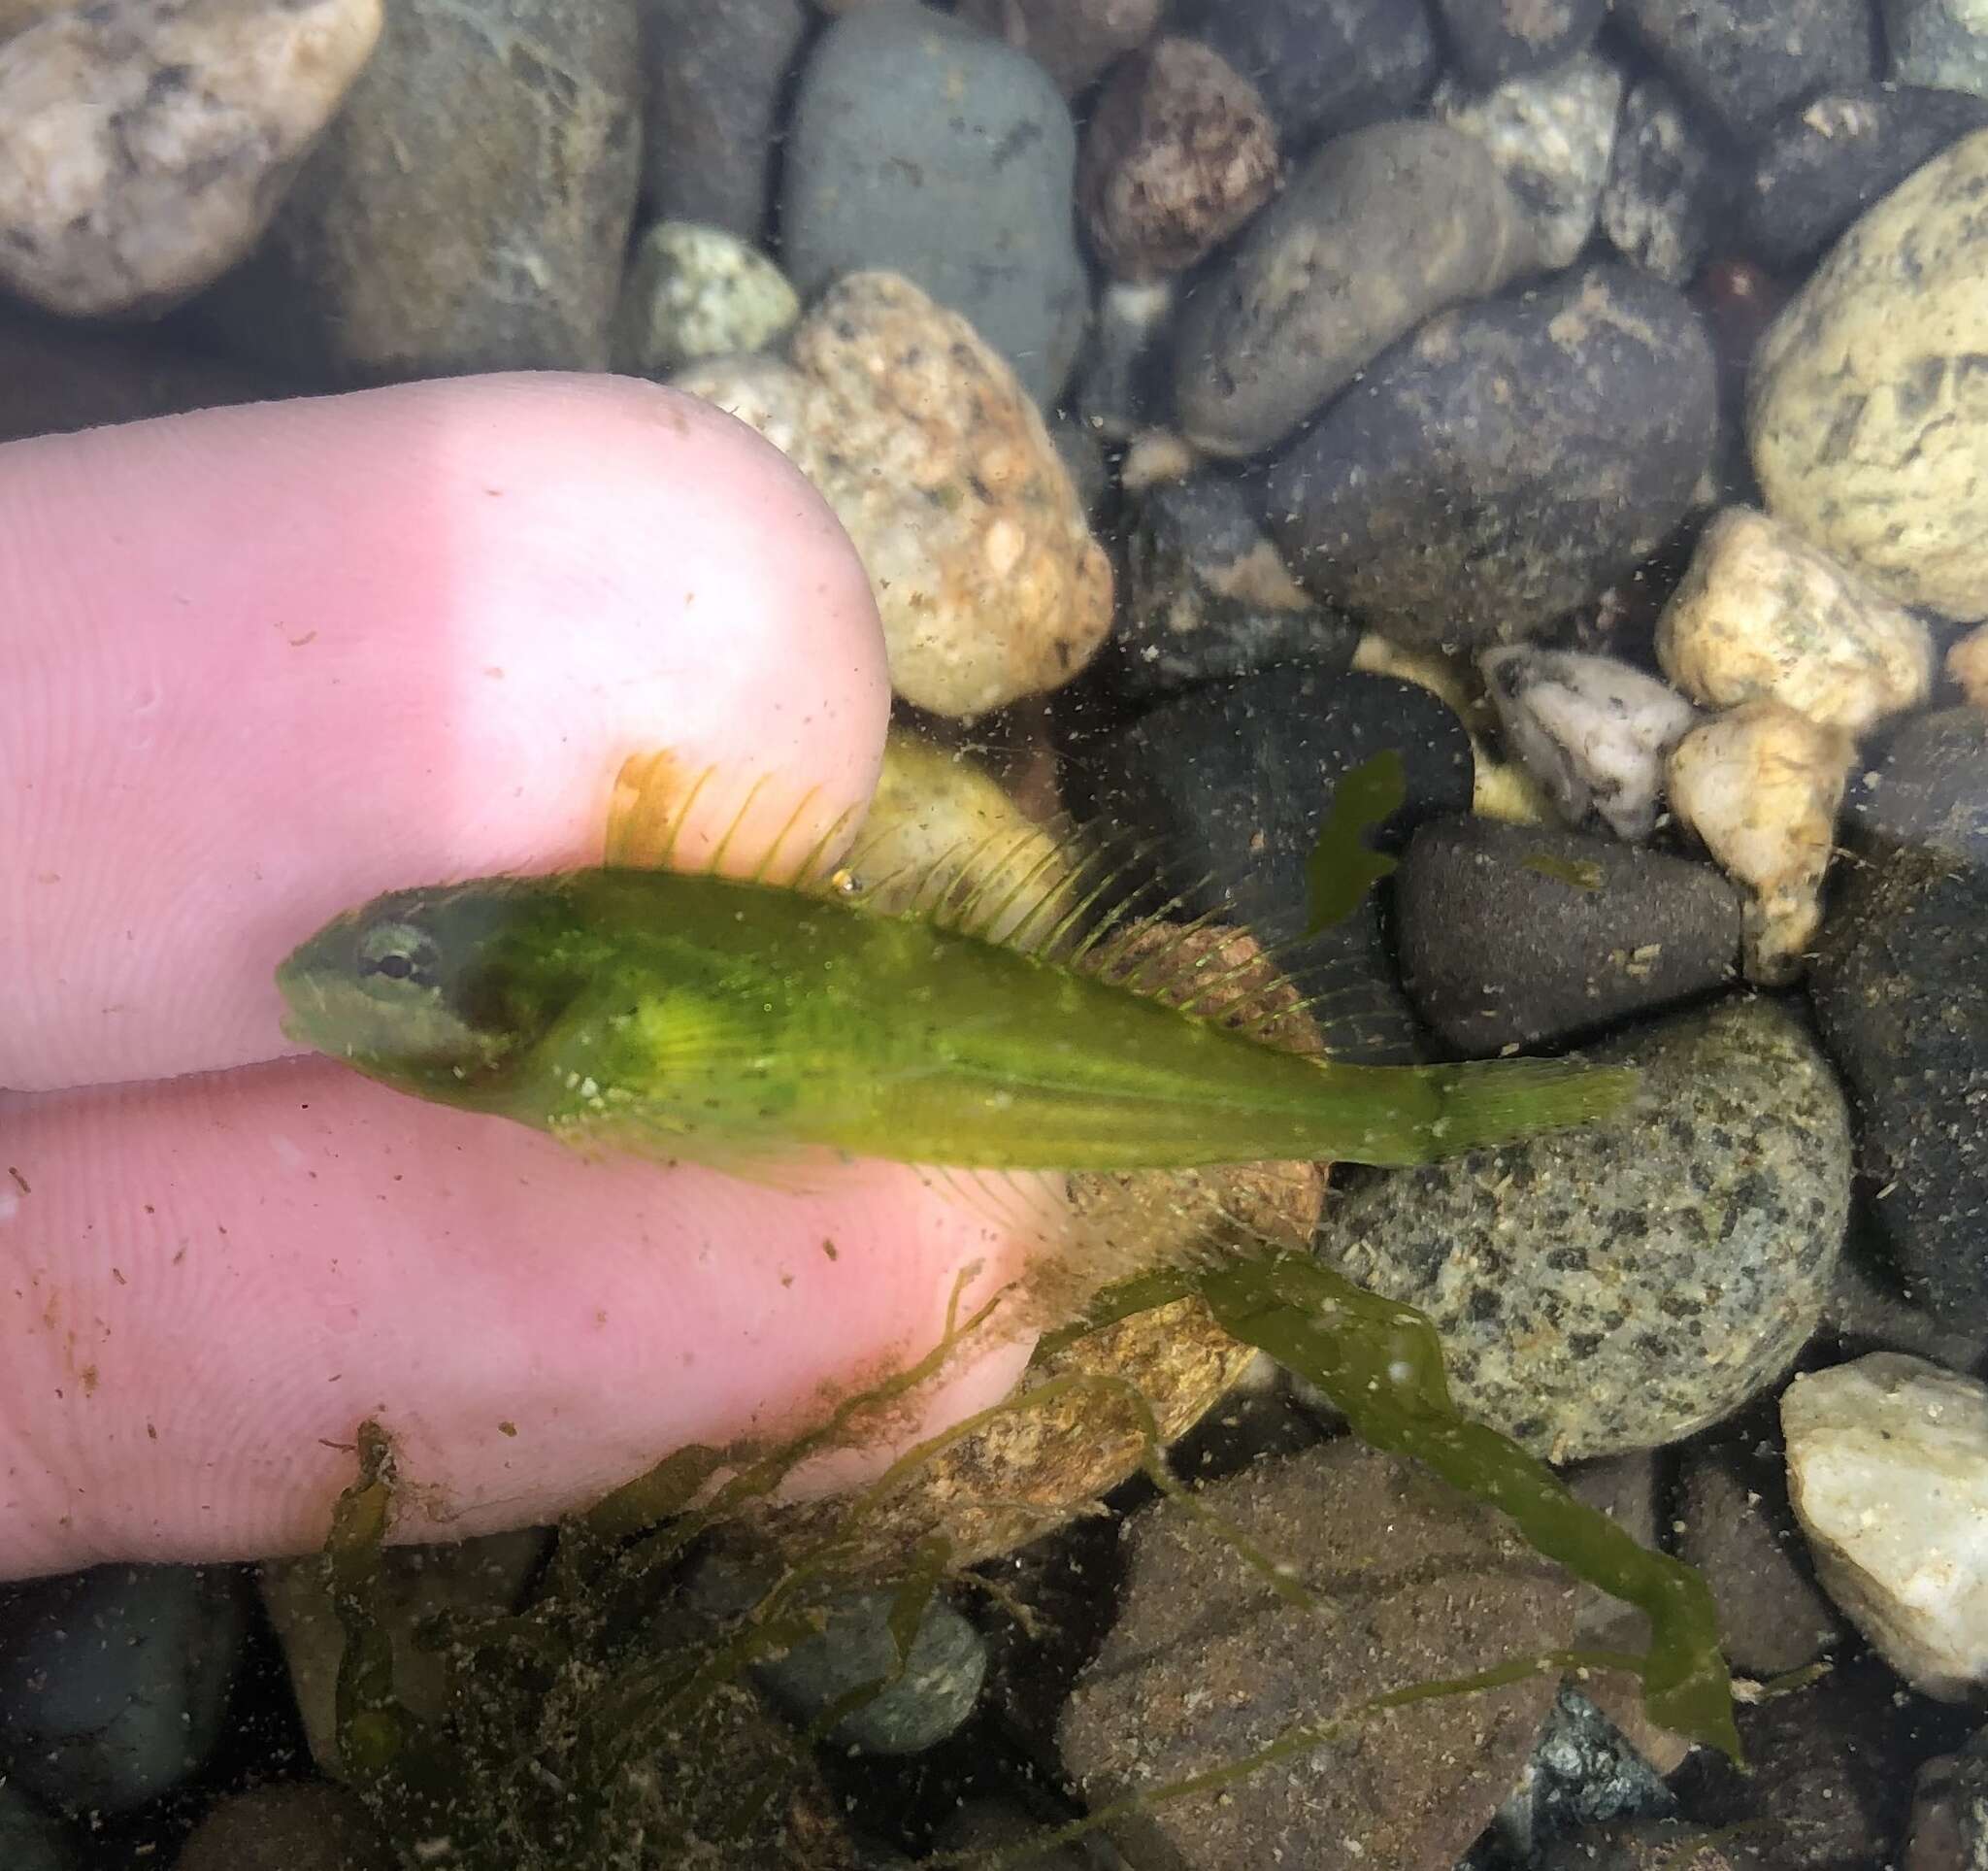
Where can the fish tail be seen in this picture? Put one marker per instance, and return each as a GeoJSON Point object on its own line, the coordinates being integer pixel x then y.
{"type": "Point", "coordinates": [1487, 1102]}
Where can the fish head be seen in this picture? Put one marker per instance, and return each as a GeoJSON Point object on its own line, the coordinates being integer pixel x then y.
{"type": "Point", "coordinates": [429, 990]}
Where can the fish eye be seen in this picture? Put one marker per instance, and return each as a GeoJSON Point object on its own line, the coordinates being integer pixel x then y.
{"type": "Point", "coordinates": [390, 953]}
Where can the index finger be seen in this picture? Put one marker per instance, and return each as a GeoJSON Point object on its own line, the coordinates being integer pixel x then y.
{"type": "Point", "coordinates": [263, 663]}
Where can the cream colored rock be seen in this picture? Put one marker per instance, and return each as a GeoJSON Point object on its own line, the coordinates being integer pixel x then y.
{"type": "Point", "coordinates": [989, 582]}
{"type": "Point", "coordinates": [1761, 784]}
{"type": "Point", "coordinates": [693, 291]}
{"type": "Point", "coordinates": [1868, 407]}
{"type": "Point", "coordinates": [149, 142]}
{"type": "Point", "coordinates": [1967, 666]}
{"type": "Point", "coordinates": [1762, 614]}
{"type": "Point", "coordinates": [1888, 1475]}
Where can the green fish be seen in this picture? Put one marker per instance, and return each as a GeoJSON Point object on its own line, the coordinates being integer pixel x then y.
{"type": "Point", "coordinates": [741, 1023]}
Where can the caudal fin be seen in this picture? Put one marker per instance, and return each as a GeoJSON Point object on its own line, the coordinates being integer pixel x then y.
{"type": "Point", "coordinates": [1488, 1102]}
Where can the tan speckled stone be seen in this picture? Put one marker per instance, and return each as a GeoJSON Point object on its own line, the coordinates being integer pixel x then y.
{"type": "Point", "coordinates": [1868, 408]}
{"type": "Point", "coordinates": [1967, 665]}
{"type": "Point", "coordinates": [1762, 613]}
{"type": "Point", "coordinates": [989, 582]}
{"type": "Point", "coordinates": [149, 142]}
{"type": "Point", "coordinates": [1761, 784]}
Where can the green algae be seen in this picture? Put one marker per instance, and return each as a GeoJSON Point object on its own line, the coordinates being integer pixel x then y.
{"type": "Point", "coordinates": [1341, 869]}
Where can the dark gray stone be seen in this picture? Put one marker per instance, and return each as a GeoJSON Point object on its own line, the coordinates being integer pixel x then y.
{"type": "Point", "coordinates": [1208, 597]}
{"type": "Point", "coordinates": [1949, 1822]}
{"type": "Point", "coordinates": [113, 1682]}
{"type": "Point", "coordinates": [1900, 982]}
{"type": "Point", "coordinates": [936, 1692]}
{"type": "Point", "coordinates": [717, 70]}
{"type": "Point", "coordinates": [1515, 935]}
{"type": "Point", "coordinates": [1493, 40]}
{"type": "Point", "coordinates": [1824, 164]}
{"type": "Point", "coordinates": [469, 208]}
{"type": "Point", "coordinates": [29, 1839]}
{"type": "Point", "coordinates": [1377, 231]}
{"type": "Point", "coordinates": [1233, 782]}
{"type": "Point", "coordinates": [924, 148]}
{"type": "Point", "coordinates": [1625, 1285]}
{"type": "Point", "coordinates": [1583, 1772]}
{"type": "Point", "coordinates": [1326, 66]}
{"type": "Point", "coordinates": [1746, 60]}
{"type": "Point", "coordinates": [296, 1827]}
{"type": "Point", "coordinates": [1505, 463]}
{"type": "Point", "coordinates": [1669, 188]}
{"type": "Point", "coordinates": [1939, 42]}
{"type": "Point", "coordinates": [1120, 385]}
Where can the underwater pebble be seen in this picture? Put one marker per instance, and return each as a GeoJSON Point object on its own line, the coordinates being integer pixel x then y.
{"type": "Point", "coordinates": [410, 247]}
{"type": "Point", "coordinates": [114, 1682]}
{"type": "Point", "coordinates": [1493, 40]}
{"type": "Point", "coordinates": [1823, 165]}
{"type": "Point", "coordinates": [1233, 782]}
{"type": "Point", "coordinates": [1623, 1285]}
{"type": "Point", "coordinates": [1761, 613]}
{"type": "Point", "coordinates": [1333, 272]}
{"type": "Point", "coordinates": [1178, 153]}
{"type": "Point", "coordinates": [1651, 1844]}
{"type": "Point", "coordinates": [297, 1828]}
{"type": "Point", "coordinates": [1504, 464]}
{"type": "Point", "coordinates": [1206, 1663]}
{"type": "Point", "coordinates": [1867, 409]}
{"type": "Point", "coordinates": [1583, 1772]}
{"type": "Point", "coordinates": [921, 147]}
{"type": "Point", "coordinates": [149, 142]}
{"type": "Point", "coordinates": [414, 1582]}
{"type": "Point", "coordinates": [1900, 987]}
{"type": "Point", "coordinates": [1949, 1830]}
{"type": "Point", "coordinates": [1733, 1524]}
{"type": "Point", "coordinates": [1943, 42]}
{"type": "Point", "coordinates": [1967, 666]}
{"type": "Point", "coordinates": [717, 77]}
{"type": "Point", "coordinates": [1667, 188]}
{"type": "Point", "coordinates": [1326, 66]}
{"type": "Point", "coordinates": [1551, 133]}
{"type": "Point", "coordinates": [1072, 40]}
{"type": "Point", "coordinates": [1743, 60]}
{"type": "Point", "coordinates": [1511, 935]}
{"type": "Point", "coordinates": [1761, 784]}
{"type": "Point", "coordinates": [1592, 731]}
{"type": "Point", "coordinates": [692, 291]}
{"type": "Point", "coordinates": [977, 547]}
{"type": "Point", "coordinates": [1888, 1473]}
{"type": "Point", "coordinates": [1120, 387]}
{"type": "Point", "coordinates": [941, 1682]}
{"type": "Point", "coordinates": [29, 1839]}
{"type": "Point", "coordinates": [1208, 596]}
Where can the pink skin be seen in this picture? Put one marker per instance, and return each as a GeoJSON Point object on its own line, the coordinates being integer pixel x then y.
{"type": "Point", "coordinates": [258, 664]}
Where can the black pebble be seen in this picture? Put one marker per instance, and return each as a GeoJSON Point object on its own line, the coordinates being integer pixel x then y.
{"type": "Point", "coordinates": [1208, 596]}
{"type": "Point", "coordinates": [1505, 462]}
{"type": "Point", "coordinates": [1519, 934]}
{"type": "Point", "coordinates": [1824, 164]}
{"type": "Point", "coordinates": [1900, 985]}
{"type": "Point", "coordinates": [1233, 781]}
{"type": "Point", "coordinates": [1746, 59]}
{"type": "Point", "coordinates": [1492, 40]}
{"type": "Point", "coordinates": [1325, 66]}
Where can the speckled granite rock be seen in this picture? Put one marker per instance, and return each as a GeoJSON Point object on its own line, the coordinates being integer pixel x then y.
{"type": "Point", "coordinates": [1551, 133]}
{"type": "Point", "coordinates": [1866, 412]}
{"type": "Point", "coordinates": [149, 142]}
{"type": "Point", "coordinates": [1620, 1286]}
{"type": "Point", "coordinates": [409, 247]}
{"type": "Point", "coordinates": [692, 291]}
{"type": "Point", "coordinates": [1178, 153]}
{"type": "Point", "coordinates": [1334, 271]}
{"type": "Point", "coordinates": [1206, 1664]}
{"type": "Point", "coordinates": [979, 549]}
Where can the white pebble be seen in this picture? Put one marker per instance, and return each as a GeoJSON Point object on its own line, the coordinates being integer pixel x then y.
{"type": "Point", "coordinates": [1761, 784]}
{"type": "Point", "coordinates": [1888, 1474]}
{"type": "Point", "coordinates": [1592, 731]}
{"type": "Point", "coordinates": [1762, 613]}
